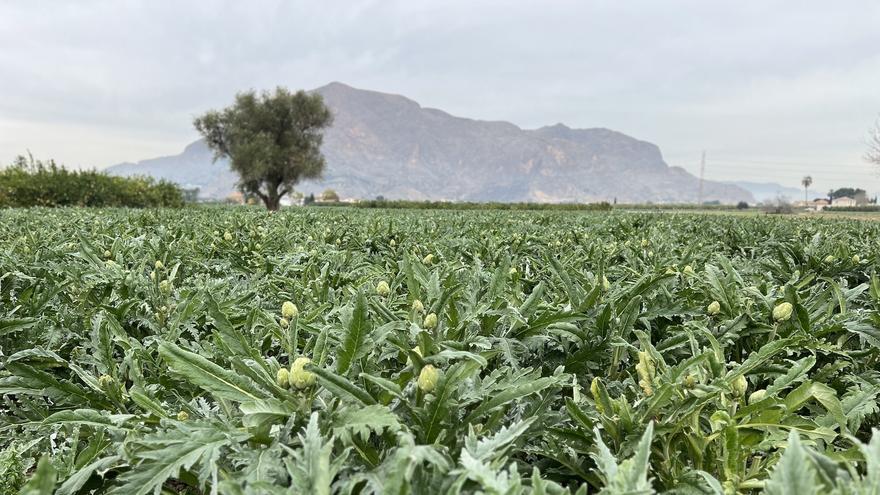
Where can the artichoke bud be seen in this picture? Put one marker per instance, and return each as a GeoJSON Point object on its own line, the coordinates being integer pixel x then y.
{"type": "Point", "coordinates": [594, 390]}
{"type": "Point", "coordinates": [289, 310]}
{"type": "Point", "coordinates": [165, 286]}
{"type": "Point", "coordinates": [512, 272]}
{"type": "Point", "coordinates": [757, 396]}
{"type": "Point", "coordinates": [417, 306]}
{"type": "Point", "coordinates": [690, 381]}
{"type": "Point", "coordinates": [430, 321]}
{"type": "Point", "coordinates": [159, 265]}
{"type": "Point", "coordinates": [282, 378]}
{"type": "Point", "coordinates": [153, 276]}
{"type": "Point", "coordinates": [713, 308]}
{"type": "Point", "coordinates": [428, 259]}
{"type": "Point", "coordinates": [782, 312]}
{"type": "Point", "coordinates": [299, 377]}
{"type": "Point", "coordinates": [605, 283]}
{"type": "Point", "coordinates": [227, 236]}
{"type": "Point", "coordinates": [428, 378]}
{"type": "Point", "coordinates": [830, 259]}
{"type": "Point", "coordinates": [739, 386]}
{"type": "Point", "coordinates": [105, 381]}
{"type": "Point", "coordinates": [392, 243]}
{"type": "Point", "coordinates": [688, 270]}
{"type": "Point", "coordinates": [382, 289]}
{"type": "Point", "coordinates": [646, 370]}
{"type": "Point", "coordinates": [182, 416]}
{"type": "Point", "coordinates": [856, 259]}
{"type": "Point", "coordinates": [284, 323]}
{"type": "Point", "coordinates": [107, 254]}
{"type": "Point", "coordinates": [729, 487]}
{"type": "Point", "coordinates": [645, 243]}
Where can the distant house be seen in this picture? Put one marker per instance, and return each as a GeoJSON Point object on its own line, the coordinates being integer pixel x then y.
{"type": "Point", "coordinates": [844, 201]}
{"type": "Point", "coordinates": [820, 203]}
{"type": "Point", "coordinates": [235, 198]}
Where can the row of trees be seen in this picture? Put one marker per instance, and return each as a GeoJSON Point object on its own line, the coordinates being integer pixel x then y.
{"type": "Point", "coordinates": [29, 182]}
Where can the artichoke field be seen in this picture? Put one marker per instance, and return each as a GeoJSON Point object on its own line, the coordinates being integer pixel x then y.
{"type": "Point", "coordinates": [233, 351]}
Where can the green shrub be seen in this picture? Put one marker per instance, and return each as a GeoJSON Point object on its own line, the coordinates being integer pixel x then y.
{"type": "Point", "coordinates": [29, 183]}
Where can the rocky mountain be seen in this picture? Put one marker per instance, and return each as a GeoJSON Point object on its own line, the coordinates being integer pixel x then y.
{"type": "Point", "coordinates": [389, 145]}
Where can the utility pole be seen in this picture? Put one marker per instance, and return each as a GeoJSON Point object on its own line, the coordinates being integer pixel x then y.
{"type": "Point", "coordinates": [702, 172]}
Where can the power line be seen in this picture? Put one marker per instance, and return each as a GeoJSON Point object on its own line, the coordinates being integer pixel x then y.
{"type": "Point", "coordinates": [755, 165]}
{"type": "Point", "coordinates": [867, 171]}
{"type": "Point", "coordinates": [799, 164]}
{"type": "Point", "coordinates": [787, 174]}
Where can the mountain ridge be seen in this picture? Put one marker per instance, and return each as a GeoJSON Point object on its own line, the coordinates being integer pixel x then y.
{"type": "Point", "coordinates": [389, 145]}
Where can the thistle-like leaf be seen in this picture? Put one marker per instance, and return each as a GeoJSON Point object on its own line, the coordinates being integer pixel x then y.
{"type": "Point", "coordinates": [220, 382]}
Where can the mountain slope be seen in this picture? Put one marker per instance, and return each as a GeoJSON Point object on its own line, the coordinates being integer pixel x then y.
{"type": "Point", "coordinates": [383, 144]}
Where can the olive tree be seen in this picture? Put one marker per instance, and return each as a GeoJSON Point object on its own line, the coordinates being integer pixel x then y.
{"type": "Point", "coordinates": [272, 140]}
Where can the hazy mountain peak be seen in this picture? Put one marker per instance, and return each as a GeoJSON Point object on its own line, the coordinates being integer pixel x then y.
{"type": "Point", "coordinates": [333, 85]}
{"type": "Point", "coordinates": [339, 92]}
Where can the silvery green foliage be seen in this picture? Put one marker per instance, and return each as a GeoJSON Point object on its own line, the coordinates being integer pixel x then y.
{"type": "Point", "coordinates": [630, 475]}
{"type": "Point", "coordinates": [802, 469]}
{"type": "Point", "coordinates": [570, 356]}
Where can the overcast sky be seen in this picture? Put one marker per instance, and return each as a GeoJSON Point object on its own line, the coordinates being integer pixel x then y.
{"type": "Point", "coordinates": [772, 90]}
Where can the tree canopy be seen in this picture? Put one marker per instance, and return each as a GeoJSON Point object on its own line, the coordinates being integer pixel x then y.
{"type": "Point", "coordinates": [272, 139]}
{"type": "Point", "coordinates": [329, 195]}
{"type": "Point", "coordinates": [845, 192]}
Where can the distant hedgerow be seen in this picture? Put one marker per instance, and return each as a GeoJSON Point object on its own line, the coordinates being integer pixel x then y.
{"type": "Point", "coordinates": [469, 205]}
{"type": "Point", "coordinates": [29, 182]}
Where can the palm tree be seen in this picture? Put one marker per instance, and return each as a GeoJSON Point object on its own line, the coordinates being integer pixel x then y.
{"type": "Point", "coordinates": [807, 181]}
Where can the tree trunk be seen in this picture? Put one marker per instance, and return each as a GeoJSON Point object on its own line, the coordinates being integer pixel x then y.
{"type": "Point", "coordinates": [273, 202]}
{"type": "Point", "coordinates": [271, 199]}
